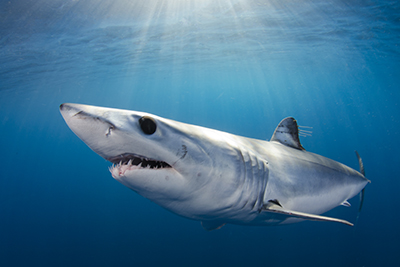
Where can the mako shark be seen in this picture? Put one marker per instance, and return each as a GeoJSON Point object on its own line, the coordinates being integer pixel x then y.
{"type": "Point", "coordinates": [213, 176]}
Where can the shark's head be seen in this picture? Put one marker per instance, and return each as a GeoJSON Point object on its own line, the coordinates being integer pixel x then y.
{"type": "Point", "coordinates": [165, 161]}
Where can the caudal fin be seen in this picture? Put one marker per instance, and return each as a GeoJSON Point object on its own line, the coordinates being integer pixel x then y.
{"type": "Point", "coordinates": [362, 193]}
{"type": "Point", "coordinates": [360, 163]}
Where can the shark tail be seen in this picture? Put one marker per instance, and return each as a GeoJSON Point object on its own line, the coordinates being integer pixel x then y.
{"type": "Point", "coordinates": [362, 193]}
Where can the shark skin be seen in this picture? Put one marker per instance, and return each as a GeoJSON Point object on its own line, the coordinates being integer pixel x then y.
{"type": "Point", "coordinates": [213, 176]}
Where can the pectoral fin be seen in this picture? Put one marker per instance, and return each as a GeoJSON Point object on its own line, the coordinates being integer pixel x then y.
{"type": "Point", "coordinates": [271, 207]}
{"type": "Point", "coordinates": [212, 225]}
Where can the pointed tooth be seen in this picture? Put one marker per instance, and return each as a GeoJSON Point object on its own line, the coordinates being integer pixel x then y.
{"type": "Point", "coordinates": [140, 165]}
{"type": "Point", "coordinates": [130, 162]}
{"type": "Point", "coordinates": [111, 167]}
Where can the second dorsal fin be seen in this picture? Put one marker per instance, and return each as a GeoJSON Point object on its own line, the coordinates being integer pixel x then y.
{"type": "Point", "coordinates": [287, 133]}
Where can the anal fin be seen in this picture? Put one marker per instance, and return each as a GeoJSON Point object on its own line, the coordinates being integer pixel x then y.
{"type": "Point", "coordinates": [212, 225]}
{"type": "Point", "coordinates": [270, 207]}
{"type": "Point", "coordinates": [346, 203]}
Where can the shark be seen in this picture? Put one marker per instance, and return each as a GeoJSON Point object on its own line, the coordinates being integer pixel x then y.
{"type": "Point", "coordinates": [213, 176]}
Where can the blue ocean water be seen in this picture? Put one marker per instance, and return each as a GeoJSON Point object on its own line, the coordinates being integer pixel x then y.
{"type": "Point", "coordinates": [234, 65]}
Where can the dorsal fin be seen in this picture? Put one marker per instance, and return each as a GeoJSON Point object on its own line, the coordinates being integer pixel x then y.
{"type": "Point", "coordinates": [287, 133]}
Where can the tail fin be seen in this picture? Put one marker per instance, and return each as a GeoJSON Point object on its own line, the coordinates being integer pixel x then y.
{"type": "Point", "coordinates": [362, 193]}
{"type": "Point", "coordinates": [360, 163]}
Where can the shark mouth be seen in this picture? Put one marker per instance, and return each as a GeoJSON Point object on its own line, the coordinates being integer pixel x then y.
{"type": "Point", "coordinates": [139, 161]}
{"type": "Point", "coordinates": [132, 162]}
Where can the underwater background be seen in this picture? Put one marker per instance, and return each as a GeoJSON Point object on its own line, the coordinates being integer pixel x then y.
{"type": "Point", "coordinates": [238, 66]}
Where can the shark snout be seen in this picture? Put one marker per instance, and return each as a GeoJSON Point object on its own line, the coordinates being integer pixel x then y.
{"type": "Point", "coordinates": [74, 112]}
{"type": "Point", "coordinates": [89, 124]}
{"type": "Point", "coordinates": [63, 106]}
{"type": "Point", "coordinates": [65, 109]}
{"type": "Point", "coordinates": [70, 110]}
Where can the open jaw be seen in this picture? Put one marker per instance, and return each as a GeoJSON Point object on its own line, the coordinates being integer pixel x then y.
{"type": "Point", "coordinates": [129, 161]}
{"type": "Point", "coordinates": [139, 161]}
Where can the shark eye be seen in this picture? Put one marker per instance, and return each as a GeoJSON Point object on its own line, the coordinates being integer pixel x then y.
{"type": "Point", "coordinates": [148, 125]}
